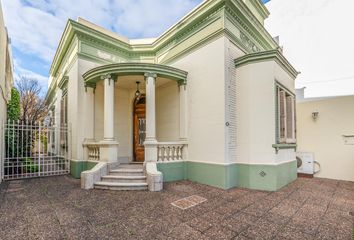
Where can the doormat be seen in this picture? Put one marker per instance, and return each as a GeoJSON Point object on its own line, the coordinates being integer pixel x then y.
{"type": "Point", "coordinates": [188, 202]}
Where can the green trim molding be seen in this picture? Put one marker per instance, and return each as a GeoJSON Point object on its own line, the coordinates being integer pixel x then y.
{"type": "Point", "coordinates": [63, 85]}
{"type": "Point", "coordinates": [92, 76]}
{"type": "Point", "coordinates": [279, 146]}
{"type": "Point", "coordinates": [210, 20]}
{"type": "Point", "coordinates": [275, 55]}
{"type": "Point", "coordinates": [254, 176]}
{"type": "Point", "coordinates": [188, 25]}
{"type": "Point", "coordinates": [76, 167]}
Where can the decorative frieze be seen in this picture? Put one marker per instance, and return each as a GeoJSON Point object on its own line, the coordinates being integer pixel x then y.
{"type": "Point", "coordinates": [248, 43]}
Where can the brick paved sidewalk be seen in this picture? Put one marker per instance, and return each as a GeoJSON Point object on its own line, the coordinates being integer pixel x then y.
{"type": "Point", "coordinates": [56, 208]}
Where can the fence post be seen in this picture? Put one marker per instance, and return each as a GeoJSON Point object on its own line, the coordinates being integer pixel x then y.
{"type": "Point", "coordinates": [39, 149]}
{"type": "Point", "coordinates": [2, 149]}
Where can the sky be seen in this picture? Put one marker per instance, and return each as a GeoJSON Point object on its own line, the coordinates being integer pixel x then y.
{"type": "Point", "coordinates": [315, 35]}
{"type": "Point", "coordinates": [35, 26]}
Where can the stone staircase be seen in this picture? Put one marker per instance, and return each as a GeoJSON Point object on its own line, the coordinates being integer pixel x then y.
{"type": "Point", "coordinates": [125, 177]}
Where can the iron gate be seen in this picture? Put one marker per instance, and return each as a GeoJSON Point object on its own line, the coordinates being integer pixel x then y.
{"type": "Point", "coordinates": [34, 150]}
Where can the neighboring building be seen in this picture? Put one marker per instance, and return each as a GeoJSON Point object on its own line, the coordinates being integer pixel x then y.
{"type": "Point", "coordinates": [329, 135]}
{"type": "Point", "coordinates": [210, 90]}
{"type": "Point", "coordinates": [6, 79]}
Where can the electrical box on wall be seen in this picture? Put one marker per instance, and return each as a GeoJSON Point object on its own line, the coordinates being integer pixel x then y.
{"type": "Point", "coordinates": [348, 139]}
{"type": "Point", "coordinates": [306, 163]}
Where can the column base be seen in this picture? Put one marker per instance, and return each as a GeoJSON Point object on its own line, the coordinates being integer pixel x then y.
{"type": "Point", "coordinates": [150, 150]}
{"type": "Point", "coordinates": [109, 151]}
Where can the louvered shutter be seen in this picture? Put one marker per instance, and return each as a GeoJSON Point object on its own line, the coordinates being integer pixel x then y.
{"type": "Point", "coordinates": [282, 116]}
{"type": "Point", "coordinates": [289, 118]}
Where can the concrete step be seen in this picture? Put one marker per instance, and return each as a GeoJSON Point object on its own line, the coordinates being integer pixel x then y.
{"type": "Point", "coordinates": [130, 166]}
{"type": "Point", "coordinates": [121, 186]}
{"type": "Point", "coordinates": [127, 172]}
{"type": "Point", "coordinates": [124, 179]}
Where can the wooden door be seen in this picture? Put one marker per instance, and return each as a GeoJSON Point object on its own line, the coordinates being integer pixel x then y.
{"type": "Point", "coordinates": [139, 129]}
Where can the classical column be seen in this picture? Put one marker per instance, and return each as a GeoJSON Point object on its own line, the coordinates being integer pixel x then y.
{"type": "Point", "coordinates": [108, 134]}
{"type": "Point", "coordinates": [108, 146]}
{"type": "Point", "coordinates": [150, 139]}
{"type": "Point", "coordinates": [89, 114]}
{"type": "Point", "coordinates": [183, 117]}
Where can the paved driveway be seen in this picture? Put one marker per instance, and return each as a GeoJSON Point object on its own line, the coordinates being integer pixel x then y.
{"type": "Point", "coordinates": [56, 208]}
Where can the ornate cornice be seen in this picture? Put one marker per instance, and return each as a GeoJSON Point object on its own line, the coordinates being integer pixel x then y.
{"type": "Point", "coordinates": [275, 55]}
{"type": "Point", "coordinates": [199, 18]}
{"type": "Point", "coordinates": [261, 9]}
{"type": "Point", "coordinates": [92, 76]}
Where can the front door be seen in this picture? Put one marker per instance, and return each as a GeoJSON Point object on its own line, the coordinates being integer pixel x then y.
{"type": "Point", "coordinates": [139, 129]}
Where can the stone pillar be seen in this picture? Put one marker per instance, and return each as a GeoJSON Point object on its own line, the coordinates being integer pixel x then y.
{"type": "Point", "coordinates": [108, 146]}
{"type": "Point", "coordinates": [183, 114]}
{"type": "Point", "coordinates": [57, 116]}
{"type": "Point", "coordinates": [89, 115]}
{"type": "Point", "coordinates": [150, 140]}
{"type": "Point", "coordinates": [183, 119]}
{"type": "Point", "coordinates": [108, 134]}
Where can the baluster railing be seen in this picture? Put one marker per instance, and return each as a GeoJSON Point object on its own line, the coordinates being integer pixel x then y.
{"type": "Point", "coordinates": [170, 151]}
{"type": "Point", "coordinates": [92, 151]}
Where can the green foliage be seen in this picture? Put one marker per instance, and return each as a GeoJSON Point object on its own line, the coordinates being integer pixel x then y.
{"type": "Point", "coordinates": [14, 107]}
{"type": "Point", "coordinates": [13, 114]}
{"type": "Point", "coordinates": [31, 167]}
{"type": "Point", "coordinates": [44, 141]}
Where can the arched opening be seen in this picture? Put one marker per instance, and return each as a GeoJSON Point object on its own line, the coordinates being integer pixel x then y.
{"type": "Point", "coordinates": [139, 128]}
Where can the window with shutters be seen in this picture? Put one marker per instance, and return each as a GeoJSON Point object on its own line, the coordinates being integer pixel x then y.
{"type": "Point", "coordinates": [64, 111]}
{"type": "Point", "coordinates": [63, 124]}
{"type": "Point", "coordinates": [286, 127]}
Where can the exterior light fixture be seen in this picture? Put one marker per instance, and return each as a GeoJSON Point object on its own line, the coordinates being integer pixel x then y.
{"type": "Point", "coordinates": [315, 115]}
{"type": "Point", "coordinates": [137, 92]}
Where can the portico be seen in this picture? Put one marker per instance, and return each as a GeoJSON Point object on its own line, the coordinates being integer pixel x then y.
{"type": "Point", "coordinates": [123, 75]}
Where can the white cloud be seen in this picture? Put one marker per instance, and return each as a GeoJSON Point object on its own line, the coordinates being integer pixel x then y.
{"type": "Point", "coordinates": [35, 27]}
{"type": "Point", "coordinates": [22, 72]}
{"type": "Point", "coordinates": [317, 38]}
{"type": "Point", "coordinates": [149, 18]}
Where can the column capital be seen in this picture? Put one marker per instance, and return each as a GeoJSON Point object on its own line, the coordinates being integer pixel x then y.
{"type": "Point", "coordinates": [150, 74]}
{"type": "Point", "coordinates": [106, 76]}
{"type": "Point", "coordinates": [183, 84]}
{"type": "Point", "coordinates": [109, 76]}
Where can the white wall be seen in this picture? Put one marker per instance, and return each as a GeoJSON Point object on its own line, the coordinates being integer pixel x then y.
{"type": "Point", "coordinates": [6, 79]}
{"type": "Point", "coordinates": [123, 119]}
{"type": "Point", "coordinates": [76, 103]}
{"type": "Point", "coordinates": [167, 112]}
{"type": "Point", "coordinates": [206, 101]}
{"type": "Point", "coordinates": [231, 53]}
{"type": "Point", "coordinates": [324, 136]}
{"type": "Point", "coordinates": [256, 115]}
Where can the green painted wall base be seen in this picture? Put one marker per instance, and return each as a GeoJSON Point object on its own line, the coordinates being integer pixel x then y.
{"type": "Point", "coordinates": [266, 177]}
{"type": "Point", "coordinates": [173, 171]}
{"type": "Point", "coordinates": [76, 167]}
{"type": "Point", "coordinates": [261, 177]}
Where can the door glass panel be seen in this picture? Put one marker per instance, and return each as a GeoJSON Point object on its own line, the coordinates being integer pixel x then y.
{"type": "Point", "coordinates": [142, 130]}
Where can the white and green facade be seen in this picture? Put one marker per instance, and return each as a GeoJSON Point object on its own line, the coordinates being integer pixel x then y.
{"type": "Point", "coordinates": [218, 98]}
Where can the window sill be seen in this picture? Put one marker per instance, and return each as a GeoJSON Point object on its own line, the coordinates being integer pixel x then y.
{"type": "Point", "coordinates": [284, 146]}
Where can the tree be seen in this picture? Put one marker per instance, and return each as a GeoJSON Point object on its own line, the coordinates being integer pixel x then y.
{"type": "Point", "coordinates": [13, 106]}
{"type": "Point", "coordinates": [13, 115]}
{"type": "Point", "coordinates": [33, 107]}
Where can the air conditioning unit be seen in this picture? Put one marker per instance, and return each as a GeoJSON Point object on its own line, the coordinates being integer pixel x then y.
{"type": "Point", "coordinates": [306, 163]}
